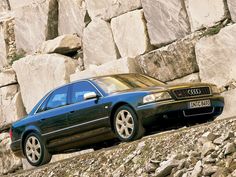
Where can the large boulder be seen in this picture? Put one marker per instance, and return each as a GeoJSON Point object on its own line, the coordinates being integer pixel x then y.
{"type": "Point", "coordinates": [124, 65]}
{"type": "Point", "coordinates": [7, 77]}
{"type": "Point", "coordinates": [12, 107]}
{"type": "Point", "coordinates": [63, 44]}
{"type": "Point", "coordinates": [98, 44]}
{"type": "Point", "coordinates": [232, 9]}
{"type": "Point", "coordinates": [39, 74]}
{"type": "Point", "coordinates": [134, 41]}
{"type": "Point", "coordinates": [230, 102]}
{"type": "Point", "coordinates": [4, 6]}
{"type": "Point", "coordinates": [8, 161]}
{"type": "Point", "coordinates": [172, 20]}
{"type": "Point", "coordinates": [35, 23]}
{"type": "Point", "coordinates": [205, 13]}
{"type": "Point", "coordinates": [72, 17]}
{"type": "Point", "coordinates": [216, 57]}
{"type": "Point", "coordinates": [173, 61]}
{"type": "Point", "coordinates": [107, 9]}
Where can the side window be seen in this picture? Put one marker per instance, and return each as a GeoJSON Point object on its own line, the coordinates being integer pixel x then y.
{"type": "Point", "coordinates": [58, 98]}
{"type": "Point", "coordinates": [79, 89]}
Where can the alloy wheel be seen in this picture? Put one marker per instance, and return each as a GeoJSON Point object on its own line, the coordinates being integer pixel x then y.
{"type": "Point", "coordinates": [33, 149]}
{"type": "Point", "coordinates": [124, 124]}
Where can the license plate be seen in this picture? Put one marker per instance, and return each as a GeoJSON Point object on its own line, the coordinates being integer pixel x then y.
{"type": "Point", "coordinates": [200, 104]}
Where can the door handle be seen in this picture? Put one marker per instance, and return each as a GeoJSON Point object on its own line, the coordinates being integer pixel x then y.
{"type": "Point", "coordinates": [41, 120]}
{"type": "Point", "coordinates": [71, 112]}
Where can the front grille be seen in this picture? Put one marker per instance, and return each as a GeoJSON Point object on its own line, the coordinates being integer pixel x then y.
{"type": "Point", "coordinates": [198, 111]}
{"type": "Point", "coordinates": [192, 92]}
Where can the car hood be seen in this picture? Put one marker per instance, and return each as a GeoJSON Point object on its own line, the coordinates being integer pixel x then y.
{"type": "Point", "coordinates": [166, 87]}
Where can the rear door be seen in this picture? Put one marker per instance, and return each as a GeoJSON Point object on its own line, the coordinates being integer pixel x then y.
{"type": "Point", "coordinates": [52, 114]}
{"type": "Point", "coordinates": [86, 114]}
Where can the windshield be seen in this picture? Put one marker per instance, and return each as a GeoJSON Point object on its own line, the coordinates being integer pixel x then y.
{"type": "Point", "coordinates": [116, 83]}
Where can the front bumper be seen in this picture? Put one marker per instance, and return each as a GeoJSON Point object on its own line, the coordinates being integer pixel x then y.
{"type": "Point", "coordinates": [180, 108]}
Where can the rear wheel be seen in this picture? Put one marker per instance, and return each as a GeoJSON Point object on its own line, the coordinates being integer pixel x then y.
{"type": "Point", "coordinates": [126, 124]}
{"type": "Point", "coordinates": [35, 150]}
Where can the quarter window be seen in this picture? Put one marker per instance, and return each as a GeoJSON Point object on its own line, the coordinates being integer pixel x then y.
{"type": "Point", "coordinates": [58, 98]}
{"type": "Point", "coordinates": [79, 89]}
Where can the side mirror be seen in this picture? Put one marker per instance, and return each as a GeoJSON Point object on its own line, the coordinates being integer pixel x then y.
{"type": "Point", "coordinates": [90, 95]}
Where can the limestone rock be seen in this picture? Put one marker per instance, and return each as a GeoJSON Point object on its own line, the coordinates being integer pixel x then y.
{"type": "Point", "coordinates": [232, 9]}
{"type": "Point", "coordinates": [12, 107]}
{"type": "Point", "coordinates": [4, 6]}
{"type": "Point", "coordinates": [17, 4]}
{"type": "Point", "coordinates": [107, 9]}
{"type": "Point", "coordinates": [39, 74]}
{"type": "Point", "coordinates": [218, 141]}
{"type": "Point", "coordinates": [124, 65]}
{"type": "Point", "coordinates": [131, 42]}
{"type": "Point", "coordinates": [204, 13]}
{"type": "Point", "coordinates": [72, 17]}
{"type": "Point", "coordinates": [207, 148]}
{"type": "Point", "coordinates": [34, 24]}
{"type": "Point", "coordinates": [8, 161]}
{"type": "Point", "coordinates": [197, 169]}
{"type": "Point", "coordinates": [166, 167]}
{"type": "Point", "coordinates": [63, 44]}
{"type": "Point", "coordinates": [209, 136]}
{"type": "Point", "coordinates": [7, 77]}
{"type": "Point", "coordinates": [172, 20]}
{"type": "Point", "coordinates": [4, 45]}
{"type": "Point", "coordinates": [216, 57]}
{"type": "Point", "coordinates": [229, 148]}
{"type": "Point", "coordinates": [98, 43]}
{"type": "Point", "coordinates": [228, 135]}
{"type": "Point", "coordinates": [171, 62]}
{"type": "Point", "coordinates": [7, 40]}
{"type": "Point", "coordinates": [230, 101]}
{"type": "Point", "coordinates": [150, 167]}
{"type": "Point", "coordinates": [189, 78]}
{"type": "Point", "coordinates": [208, 170]}
{"type": "Point", "coordinates": [3, 51]}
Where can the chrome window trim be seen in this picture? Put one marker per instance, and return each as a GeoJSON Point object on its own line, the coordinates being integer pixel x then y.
{"type": "Point", "coordinates": [77, 125]}
{"type": "Point", "coordinates": [64, 86]}
{"type": "Point", "coordinates": [95, 87]}
{"type": "Point", "coordinates": [35, 112]}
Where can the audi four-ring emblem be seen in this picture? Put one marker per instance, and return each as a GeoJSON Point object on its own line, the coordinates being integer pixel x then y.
{"type": "Point", "coordinates": [193, 92]}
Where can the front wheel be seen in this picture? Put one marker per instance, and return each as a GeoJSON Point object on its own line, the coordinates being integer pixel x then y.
{"type": "Point", "coordinates": [35, 151]}
{"type": "Point", "coordinates": [126, 124]}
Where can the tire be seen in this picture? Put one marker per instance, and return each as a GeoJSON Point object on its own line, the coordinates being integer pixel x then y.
{"type": "Point", "coordinates": [35, 150]}
{"type": "Point", "coordinates": [127, 125]}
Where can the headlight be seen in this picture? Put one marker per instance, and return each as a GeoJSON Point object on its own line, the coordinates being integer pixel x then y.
{"type": "Point", "coordinates": [156, 97]}
{"type": "Point", "coordinates": [215, 89]}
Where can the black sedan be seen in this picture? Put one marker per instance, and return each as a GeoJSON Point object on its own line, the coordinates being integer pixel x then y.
{"type": "Point", "coordinates": [102, 108]}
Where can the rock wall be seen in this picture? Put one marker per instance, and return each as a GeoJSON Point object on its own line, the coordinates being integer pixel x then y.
{"type": "Point", "coordinates": [52, 42]}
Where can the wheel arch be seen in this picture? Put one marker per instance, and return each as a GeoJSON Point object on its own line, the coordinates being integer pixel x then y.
{"type": "Point", "coordinates": [25, 134]}
{"type": "Point", "coordinates": [115, 107]}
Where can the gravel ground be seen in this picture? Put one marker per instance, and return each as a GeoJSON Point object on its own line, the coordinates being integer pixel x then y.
{"type": "Point", "coordinates": [153, 154]}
